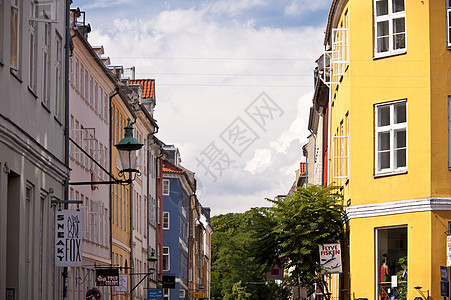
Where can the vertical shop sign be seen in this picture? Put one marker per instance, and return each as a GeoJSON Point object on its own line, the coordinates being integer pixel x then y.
{"type": "Point", "coordinates": [448, 251]}
{"type": "Point", "coordinates": [68, 229]}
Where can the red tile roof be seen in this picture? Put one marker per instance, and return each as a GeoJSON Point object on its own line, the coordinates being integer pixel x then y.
{"type": "Point", "coordinates": [170, 168]}
{"type": "Point", "coordinates": [303, 169]}
{"type": "Point", "coordinates": [148, 86]}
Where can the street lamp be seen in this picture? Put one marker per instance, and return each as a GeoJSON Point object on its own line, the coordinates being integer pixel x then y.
{"type": "Point", "coordinates": [127, 148]}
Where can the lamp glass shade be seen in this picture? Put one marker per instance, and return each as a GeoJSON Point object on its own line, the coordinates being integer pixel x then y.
{"type": "Point", "coordinates": [127, 148]}
{"type": "Point", "coordinates": [128, 160]}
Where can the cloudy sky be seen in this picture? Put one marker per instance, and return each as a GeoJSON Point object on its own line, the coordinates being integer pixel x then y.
{"type": "Point", "coordinates": [234, 83]}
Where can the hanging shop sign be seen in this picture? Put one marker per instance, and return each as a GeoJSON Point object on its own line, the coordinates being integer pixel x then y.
{"type": "Point", "coordinates": [122, 287]}
{"type": "Point", "coordinates": [107, 277]}
{"type": "Point", "coordinates": [68, 238]}
{"type": "Point", "coordinates": [155, 294]}
{"type": "Point", "coordinates": [276, 273]}
{"type": "Point", "coordinates": [330, 258]}
{"type": "Point", "coordinates": [168, 281]}
{"type": "Point", "coordinates": [199, 295]}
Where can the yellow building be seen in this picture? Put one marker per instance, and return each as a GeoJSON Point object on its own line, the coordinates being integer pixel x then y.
{"type": "Point", "coordinates": [387, 67]}
{"type": "Point", "coordinates": [120, 194]}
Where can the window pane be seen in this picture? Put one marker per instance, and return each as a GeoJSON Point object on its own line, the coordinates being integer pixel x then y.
{"type": "Point", "coordinates": [384, 141]}
{"type": "Point", "coordinates": [400, 148]}
{"type": "Point", "coordinates": [381, 7]}
{"type": "Point", "coordinates": [399, 36]}
{"type": "Point", "coordinates": [382, 29]}
{"type": "Point", "coordinates": [382, 44]}
{"type": "Point", "coordinates": [382, 36]}
{"type": "Point", "coordinates": [400, 113]}
{"type": "Point", "coordinates": [399, 25]}
{"type": "Point", "coordinates": [383, 115]}
{"type": "Point", "coordinates": [384, 160]}
{"type": "Point", "coordinates": [400, 158]}
{"type": "Point", "coordinates": [398, 5]}
{"type": "Point", "coordinates": [400, 139]}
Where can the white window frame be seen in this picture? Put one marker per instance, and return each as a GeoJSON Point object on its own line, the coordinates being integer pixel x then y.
{"type": "Point", "coordinates": [391, 129]}
{"type": "Point", "coordinates": [14, 56]}
{"type": "Point", "coordinates": [166, 253]}
{"type": "Point", "coordinates": [448, 23]}
{"type": "Point", "coordinates": [33, 46]}
{"type": "Point", "coordinates": [46, 66]}
{"type": "Point", "coordinates": [389, 17]}
{"type": "Point", "coordinates": [59, 80]}
{"type": "Point", "coordinates": [166, 220]}
{"type": "Point", "coordinates": [166, 187]}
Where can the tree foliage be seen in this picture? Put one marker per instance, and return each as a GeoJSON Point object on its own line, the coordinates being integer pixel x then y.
{"type": "Point", "coordinates": [291, 231]}
{"type": "Point", "coordinates": [236, 271]}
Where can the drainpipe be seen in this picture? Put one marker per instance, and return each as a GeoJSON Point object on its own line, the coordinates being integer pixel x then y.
{"type": "Point", "coordinates": [132, 263]}
{"type": "Point", "coordinates": [66, 122]}
{"type": "Point", "coordinates": [110, 119]}
{"type": "Point", "coordinates": [148, 203]}
{"type": "Point", "coordinates": [157, 211]}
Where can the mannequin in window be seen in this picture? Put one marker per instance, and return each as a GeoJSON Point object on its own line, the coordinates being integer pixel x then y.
{"type": "Point", "coordinates": [384, 277]}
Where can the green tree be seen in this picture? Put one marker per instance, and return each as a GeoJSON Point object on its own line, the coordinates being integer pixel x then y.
{"type": "Point", "coordinates": [291, 231]}
{"type": "Point", "coordinates": [238, 292]}
{"type": "Point", "coordinates": [235, 268]}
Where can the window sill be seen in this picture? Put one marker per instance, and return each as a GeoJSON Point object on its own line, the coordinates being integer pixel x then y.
{"type": "Point", "coordinates": [15, 73]}
{"type": "Point", "coordinates": [378, 175]}
{"type": "Point", "coordinates": [385, 55]}
{"type": "Point", "coordinates": [45, 106]}
{"type": "Point", "coordinates": [58, 120]}
{"type": "Point", "coordinates": [33, 93]}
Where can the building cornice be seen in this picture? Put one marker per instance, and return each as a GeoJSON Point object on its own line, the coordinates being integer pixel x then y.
{"type": "Point", "coordinates": [22, 143]}
{"type": "Point", "coordinates": [121, 245]}
{"type": "Point", "coordinates": [398, 207]}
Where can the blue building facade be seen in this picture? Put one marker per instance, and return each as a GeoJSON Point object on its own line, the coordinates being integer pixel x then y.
{"type": "Point", "coordinates": [177, 190]}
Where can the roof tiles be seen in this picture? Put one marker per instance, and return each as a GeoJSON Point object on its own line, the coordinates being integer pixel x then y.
{"type": "Point", "coordinates": [148, 86]}
{"type": "Point", "coordinates": [171, 168]}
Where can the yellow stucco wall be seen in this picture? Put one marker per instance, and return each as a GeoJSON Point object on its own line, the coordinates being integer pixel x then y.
{"type": "Point", "coordinates": [121, 202]}
{"type": "Point", "coordinates": [363, 251]}
{"type": "Point", "coordinates": [422, 76]}
{"type": "Point", "coordinates": [375, 81]}
{"type": "Point", "coordinates": [441, 89]}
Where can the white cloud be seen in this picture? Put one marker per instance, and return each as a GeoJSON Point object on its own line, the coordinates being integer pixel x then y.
{"type": "Point", "coordinates": [105, 3]}
{"type": "Point", "coordinates": [206, 74]}
{"type": "Point", "coordinates": [260, 161]}
{"type": "Point", "coordinates": [233, 7]}
{"type": "Point", "coordinates": [293, 8]}
{"type": "Point", "coordinates": [302, 7]}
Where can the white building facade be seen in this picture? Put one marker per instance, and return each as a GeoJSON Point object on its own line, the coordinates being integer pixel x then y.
{"type": "Point", "coordinates": [91, 86]}
{"type": "Point", "coordinates": [33, 168]}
